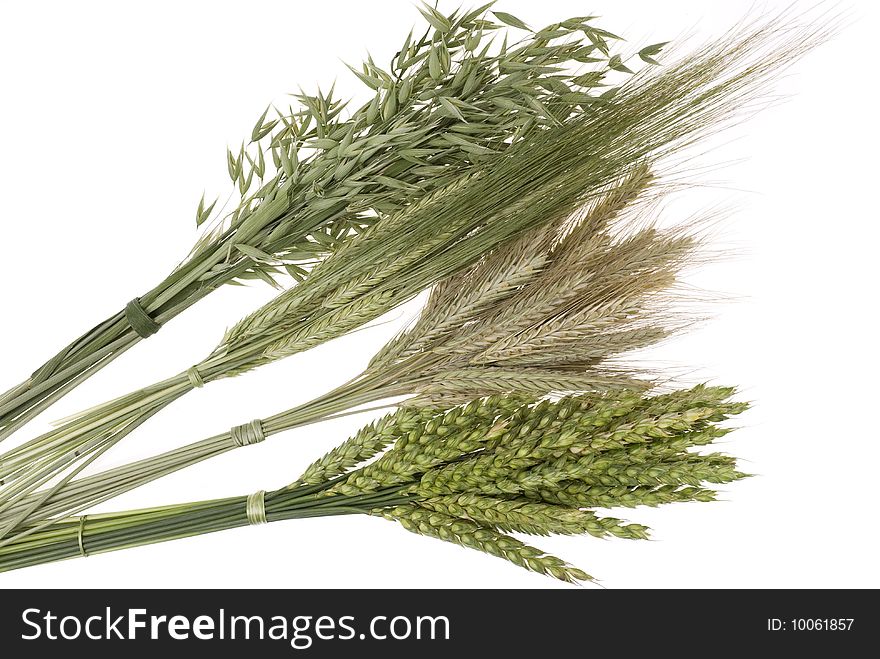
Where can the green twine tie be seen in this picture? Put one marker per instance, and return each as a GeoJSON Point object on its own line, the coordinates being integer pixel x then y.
{"type": "Point", "coordinates": [248, 433]}
{"type": "Point", "coordinates": [79, 536]}
{"type": "Point", "coordinates": [194, 377]}
{"type": "Point", "coordinates": [139, 320]}
{"type": "Point", "coordinates": [256, 508]}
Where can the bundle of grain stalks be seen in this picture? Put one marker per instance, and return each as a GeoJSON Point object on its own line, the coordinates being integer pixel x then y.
{"type": "Point", "coordinates": [313, 176]}
{"type": "Point", "coordinates": [468, 475]}
{"type": "Point", "coordinates": [522, 191]}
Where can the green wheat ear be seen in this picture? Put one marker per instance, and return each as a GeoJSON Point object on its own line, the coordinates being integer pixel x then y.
{"type": "Point", "coordinates": [485, 539]}
{"type": "Point", "coordinates": [475, 473]}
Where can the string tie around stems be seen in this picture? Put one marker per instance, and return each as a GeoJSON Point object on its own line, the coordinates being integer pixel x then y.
{"type": "Point", "coordinates": [140, 320]}
{"type": "Point", "coordinates": [79, 536]}
{"type": "Point", "coordinates": [248, 433]}
{"type": "Point", "coordinates": [256, 508]}
{"type": "Point", "coordinates": [195, 378]}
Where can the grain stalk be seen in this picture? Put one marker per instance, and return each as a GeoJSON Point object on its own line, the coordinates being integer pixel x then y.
{"type": "Point", "coordinates": [538, 182]}
{"type": "Point", "coordinates": [427, 364]}
{"type": "Point", "coordinates": [429, 471]}
{"type": "Point", "coordinates": [314, 175]}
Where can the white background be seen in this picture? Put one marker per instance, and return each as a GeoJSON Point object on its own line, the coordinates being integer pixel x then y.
{"type": "Point", "coordinates": [115, 116]}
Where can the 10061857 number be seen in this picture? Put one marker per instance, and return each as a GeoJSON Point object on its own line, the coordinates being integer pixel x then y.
{"type": "Point", "coordinates": [821, 624]}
